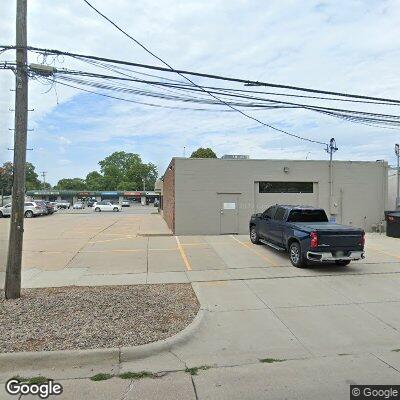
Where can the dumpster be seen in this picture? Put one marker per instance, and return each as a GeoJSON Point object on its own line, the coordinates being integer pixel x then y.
{"type": "Point", "coordinates": [392, 223]}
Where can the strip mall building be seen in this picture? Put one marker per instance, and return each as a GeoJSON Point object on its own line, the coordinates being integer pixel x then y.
{"type": "Point", "coordinates": [217, 196]}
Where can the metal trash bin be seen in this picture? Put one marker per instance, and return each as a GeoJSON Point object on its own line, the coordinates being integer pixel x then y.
{"type": "Point", "coordinates": [392, 223]}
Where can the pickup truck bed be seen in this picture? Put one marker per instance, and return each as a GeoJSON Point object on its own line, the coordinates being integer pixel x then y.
{"type": "Point", "coordinates": [309, 241]}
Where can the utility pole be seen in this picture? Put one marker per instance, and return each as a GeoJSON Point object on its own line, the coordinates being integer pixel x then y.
{"type": "Point", "coordinates": [331, 148]}
{"type": "Point", "coordinates": [13, 271]}
{"type": "Point", "coordinates": [397, 152]}
{"type": "Point", "coordinates": [43, 173]}
{"type": "Point", "coordinates": [144, 184]}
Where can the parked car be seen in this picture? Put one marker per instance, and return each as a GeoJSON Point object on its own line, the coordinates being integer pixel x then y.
{"type": "Point", "coordinates": [106, 206]}
{"type": "Point", "coordinates": [126, 203]}
{"type": "Point", "coordinates": [90, 202]}
{"type": "Point", "coordinates": [63, 204]}
{"type": "Point", "coordinates": [31, 209]}
{"type": "Point", "coordinates": [48, 209]}
{"type": "Point", "coordinates": [307, 235]}
{"type": "Point", "coordinates": [78, 206]}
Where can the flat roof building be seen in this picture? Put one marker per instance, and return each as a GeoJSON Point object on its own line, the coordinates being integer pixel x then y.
{"type": "Point", "coordinates": [218, 196]}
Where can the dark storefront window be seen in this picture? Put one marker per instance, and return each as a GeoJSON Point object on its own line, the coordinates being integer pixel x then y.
{"type": "Point", "coordinates": [285, 187]}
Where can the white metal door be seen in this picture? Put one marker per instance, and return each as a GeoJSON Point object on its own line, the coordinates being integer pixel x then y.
{"type": "Point", "coordinates": [228, 213]}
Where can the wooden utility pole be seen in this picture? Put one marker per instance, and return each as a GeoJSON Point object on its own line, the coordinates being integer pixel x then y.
{"type": "Point", "coordinates": [14, 259]}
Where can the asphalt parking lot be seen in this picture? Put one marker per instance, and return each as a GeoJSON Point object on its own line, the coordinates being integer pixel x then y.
{"type": "Point", "coordinates": [81, 247]}
{"type": "Point", "coordinates": [331, 325]}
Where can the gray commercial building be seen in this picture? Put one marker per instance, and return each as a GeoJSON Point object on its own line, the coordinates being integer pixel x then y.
{"type": "Point", "coordinates": [217, 196]}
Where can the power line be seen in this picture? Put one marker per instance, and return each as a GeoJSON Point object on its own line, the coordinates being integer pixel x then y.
{"type": "Point", "coordinates": [350, 115]}
{"type": "Point", "coordinates": [193, 83]}
{"type": "Point", "coordinates": [203, 75]}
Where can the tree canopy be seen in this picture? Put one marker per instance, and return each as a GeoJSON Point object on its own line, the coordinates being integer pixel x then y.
{"type": "Point", "coordinates": [203, 153]}
{"type": "Point", "coordinates": [6, 177]}
{"type": "Point", "coordinates": [118, 171]}
{"type": "Point", "coordinates": [71, 184]}
{"type": "Point", "coordinates": [126, 171]}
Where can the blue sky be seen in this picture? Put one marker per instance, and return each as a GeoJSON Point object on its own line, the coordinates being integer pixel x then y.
{"type": "Point", "coordinates": [349, 46]}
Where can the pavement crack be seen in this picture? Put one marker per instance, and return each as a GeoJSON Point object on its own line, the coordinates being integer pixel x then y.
{"type": "Point", "coordinates": [178, 358]}
{"type": "Point", "coordinates": [389, 365]}
{"type": "Point", "coordinates": [194, 387]}
{"type": "Point", "coordinates": [128, 389]}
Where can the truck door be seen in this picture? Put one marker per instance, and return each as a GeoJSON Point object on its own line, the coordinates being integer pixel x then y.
{"type": "Point", "coordinates": [277, 226]}
{"type": "Point", "coordinates": [265, 222]}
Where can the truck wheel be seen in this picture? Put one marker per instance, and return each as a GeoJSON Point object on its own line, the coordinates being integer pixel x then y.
{"type": "Point", "coordinates": [296, 256]}
{"type": "Point", "coordinates": [255, 239]}
{"type": "Point", "coordinates": [1, 214]}
{"type": "Point", "coordinates": [115, 209]}
{"type": "Point", "coordinates": [97, 209]}
{"type": "Point", "coordinates": [342, 263]}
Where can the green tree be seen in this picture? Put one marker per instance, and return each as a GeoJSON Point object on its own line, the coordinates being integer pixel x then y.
{"type": "Point", "coordinates": [203, 153]}
{"type": "Point", "coordinates": [31, 178]}
{"type": "Point", "coordinates": [126, 171]}
{"type": "Point", "coordinates": [6, 177]}
{"type": "Point", "coordinates": [95, 181]}
{"type": "Point", "coordinates": [71, 184]}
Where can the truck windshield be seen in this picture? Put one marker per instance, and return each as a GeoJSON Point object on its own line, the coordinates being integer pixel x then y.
{"type": "Point", "coordinates": [307, 216]}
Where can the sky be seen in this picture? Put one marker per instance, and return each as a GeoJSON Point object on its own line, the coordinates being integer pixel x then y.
{"type": "Point", "coordinates": [341, 45]}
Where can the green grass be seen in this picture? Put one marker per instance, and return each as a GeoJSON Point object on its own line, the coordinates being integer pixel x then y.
{"type": "Point", "coordinates": [195, 370]}
{"type": "Point", "coordinates": [35, 380]}
{"type": "Point", "coordinates": [136, 375]}
{"type": "Point", "coordinates": [270, 360]}
{"type": "Point", "coordinates": [20, 378]}
{"type": "Point", "coordinates": [397, 350]}
{"type": "Point", "coordinates": [101, 377]}
{"type": "Point", "coordinates": [344, 354]}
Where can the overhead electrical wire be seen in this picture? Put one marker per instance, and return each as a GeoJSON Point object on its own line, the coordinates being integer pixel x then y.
{"type": "Point", "coordinates": [199, 74]}
{"type": "Point", "coordinates": [351, 115]}
{"type": "Point", "coordinates": [195, 84]}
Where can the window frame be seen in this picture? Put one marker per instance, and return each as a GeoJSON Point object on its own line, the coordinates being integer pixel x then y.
{"type": "Point", "coordinates": [285, 187]}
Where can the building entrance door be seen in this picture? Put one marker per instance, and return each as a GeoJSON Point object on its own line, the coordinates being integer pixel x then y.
{"type": "Point", "coordinates": [229, 212]}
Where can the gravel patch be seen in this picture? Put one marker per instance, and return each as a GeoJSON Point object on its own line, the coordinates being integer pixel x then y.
{"type": "Point", "coordinates": [94, 317]}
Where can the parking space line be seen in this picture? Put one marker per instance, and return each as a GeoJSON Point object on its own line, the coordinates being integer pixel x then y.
{"type": "Point", "coordinates": [263, 256]}
{"type": "Point", "coordinates": [183, 254]}
{"type": "Point", "coordinates": [113, 240]}
{"type": "Point", "coordinates": [383, 252]}
{"type": "Point", "coordinates": [113, 250]}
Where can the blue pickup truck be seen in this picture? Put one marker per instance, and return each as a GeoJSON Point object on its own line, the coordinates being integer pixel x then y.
{"type": "Point", "coordinates": [307, 235]}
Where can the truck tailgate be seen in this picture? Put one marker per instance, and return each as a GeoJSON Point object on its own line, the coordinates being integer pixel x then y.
{"type": "Point", "coordinates": [345, 239]}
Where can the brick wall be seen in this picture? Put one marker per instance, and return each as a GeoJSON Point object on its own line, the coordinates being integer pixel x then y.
{"type": "Point", "coordinates": [169, 196]}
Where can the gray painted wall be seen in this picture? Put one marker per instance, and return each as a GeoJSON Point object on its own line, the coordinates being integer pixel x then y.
{"type": "Point", "coordinates": [360, 190]}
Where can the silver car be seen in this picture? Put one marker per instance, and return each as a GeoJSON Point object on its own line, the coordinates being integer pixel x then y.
{"type": "Point", "coordinates": [31, 209]}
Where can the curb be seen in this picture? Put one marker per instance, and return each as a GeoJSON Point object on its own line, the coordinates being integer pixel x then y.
{"type": "Point", "coordinates": [150, 349]}
{"type": "Point", "coordinates": [63, 359]}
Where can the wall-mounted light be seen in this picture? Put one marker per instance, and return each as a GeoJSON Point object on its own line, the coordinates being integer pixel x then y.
{"type": "Point", "coordinates": [286, 170]}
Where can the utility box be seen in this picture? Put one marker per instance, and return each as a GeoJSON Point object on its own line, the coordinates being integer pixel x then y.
{"type": "Point", "coordinates": [392, 223]}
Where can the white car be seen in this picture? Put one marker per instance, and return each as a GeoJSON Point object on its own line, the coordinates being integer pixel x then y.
{"type": "Point", "coordinates": [78, 206]}
{"type": "Point", "coordinates": [106, 206]}
{"type": "Point", "coordinates": [31, 209]}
